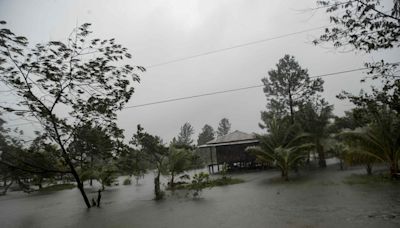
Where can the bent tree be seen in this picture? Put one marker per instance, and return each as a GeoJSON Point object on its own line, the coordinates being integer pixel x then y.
{"type": "Point", "coordinates": [64, 84]}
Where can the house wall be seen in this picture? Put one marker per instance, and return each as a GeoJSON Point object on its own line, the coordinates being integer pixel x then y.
{"type": "Point", "coordinates": [234, 153]}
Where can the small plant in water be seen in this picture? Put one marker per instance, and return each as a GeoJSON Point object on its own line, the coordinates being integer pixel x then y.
{"type": "Point", "coordinates": [224, 171]}
{"type": "Point", "coordinates": [199, 182]}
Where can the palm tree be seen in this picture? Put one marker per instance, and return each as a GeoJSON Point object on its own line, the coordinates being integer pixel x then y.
{"type": "Point", "coordinates": [178, 162]}
{"type": "Point", "coordinates": [283, 146]}
{"type": "Point", "coordinates": [314, 119]}
{"type": "Point", "coordinates": [380, 139]}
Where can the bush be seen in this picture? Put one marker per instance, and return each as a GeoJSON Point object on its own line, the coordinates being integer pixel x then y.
{"type": "Point", "coordinates": [127, 181]}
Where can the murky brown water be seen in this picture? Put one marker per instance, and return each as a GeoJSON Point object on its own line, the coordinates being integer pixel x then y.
{"type": "Point", "coordinates": [319, 199]}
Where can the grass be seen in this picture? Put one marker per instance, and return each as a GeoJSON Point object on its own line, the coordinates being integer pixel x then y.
{"type": "Point", "coordinates": [369, 179]}
{"type": "Point", "coordinates": [57, 187]}
{"type": "Point", "coordinates": [211, 183]}
{"type": "Point", "coordinates": [225, 181]}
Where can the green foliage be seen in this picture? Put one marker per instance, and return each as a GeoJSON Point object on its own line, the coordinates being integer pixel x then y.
{"type": "Point", "coordinates": [380, 140]}
{"type": "Point", "coordinates": [38, 163]}
{"type": "Point", "coordinates": [287, 87]}
{"type": "Point", "coordinates": [366, 25]}
{"type": "Point", "coordinates": [340, 151]}
{"type": "Point", "coordinates": [224, 171]}
{"type": "Point", "coordinates": [132, 162]}
{"type": "Point", "coordinates": [351, 120]}
{"type": "Point", "coordinates": [202, 180]}
{"type": "Point", "coordinates": [314, 119]}
{"type": "Point", "coordinates": [283, 145]}
{"type": "Point", "coordinates": [91, 145]}
{"type": "Point", "coordinates": [206, 135]}
{"type": "Point", "coordinates": [178, 161]}
{"type": "Point", "coordinates": [224, 127]}
{"type": "Point", "coordinates": [106, 174]}
{"type": "Point", "coordinates": [154, 151]}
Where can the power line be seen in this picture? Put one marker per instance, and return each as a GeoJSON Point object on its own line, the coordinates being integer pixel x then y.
{"type": "Point", "coordinates": [22, 124]}
{"type": "Point", "coordinates": [193, 96]}
{"type": "Point", "coordinates": [220, 92]}
{"type": "Point", "coordinates": [234, 47]}
{"type": "Point", "coordinates": [326, 6]}
{"type": "Point", "coordinates": [236, 89]}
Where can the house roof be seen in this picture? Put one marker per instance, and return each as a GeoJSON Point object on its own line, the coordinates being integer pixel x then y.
{"type": "Point", "coordinates": [236, 137]}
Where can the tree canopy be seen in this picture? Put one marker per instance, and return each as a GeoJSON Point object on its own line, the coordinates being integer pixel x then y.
{"type": "Point", "coordinates": [224, 127]}
{"type": "Point", "coordinates": [287, 87]}
{"type": "Point", "coordinates": [206, 135]}
{"type": "Point", "coordinates": [185, 136]}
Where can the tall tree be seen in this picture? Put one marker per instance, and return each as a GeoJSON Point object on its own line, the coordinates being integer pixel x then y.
{"type": "Point", "coordinates": [287, 87]}
{"type": "Point", "coordinates": [185, 136]}
{"type": "Point", "coordinates": [224, 127]}
{"type": "Point", "coordinates": [206, 135]}
{"type": "Point", "coordinates": [81, 77]}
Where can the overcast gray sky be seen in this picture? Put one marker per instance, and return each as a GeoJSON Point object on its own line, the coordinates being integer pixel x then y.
{"type": "Point", "coordinates": [158, 30]}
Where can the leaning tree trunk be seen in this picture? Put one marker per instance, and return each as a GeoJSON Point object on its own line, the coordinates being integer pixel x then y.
{"type": "Point", "coordinates": [70, 165]}
{"type": "Point", "coordinates": [79, 184]}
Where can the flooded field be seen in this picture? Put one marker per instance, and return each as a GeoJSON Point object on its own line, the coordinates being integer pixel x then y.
{"type": "Point", "coordinates": [316, 199]}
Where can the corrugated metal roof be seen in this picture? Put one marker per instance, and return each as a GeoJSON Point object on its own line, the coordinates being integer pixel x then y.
{"type": "Point", "coordinates": [229, 143]}
{"type": "Point", "coordinates": [236, 137]}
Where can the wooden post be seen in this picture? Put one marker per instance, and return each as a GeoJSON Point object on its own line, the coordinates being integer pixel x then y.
{"type": "Point", "coordinates": [211, 157]}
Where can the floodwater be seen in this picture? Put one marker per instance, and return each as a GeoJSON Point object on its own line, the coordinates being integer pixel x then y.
{"type": "Point", "coordinates": [315, 199]}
